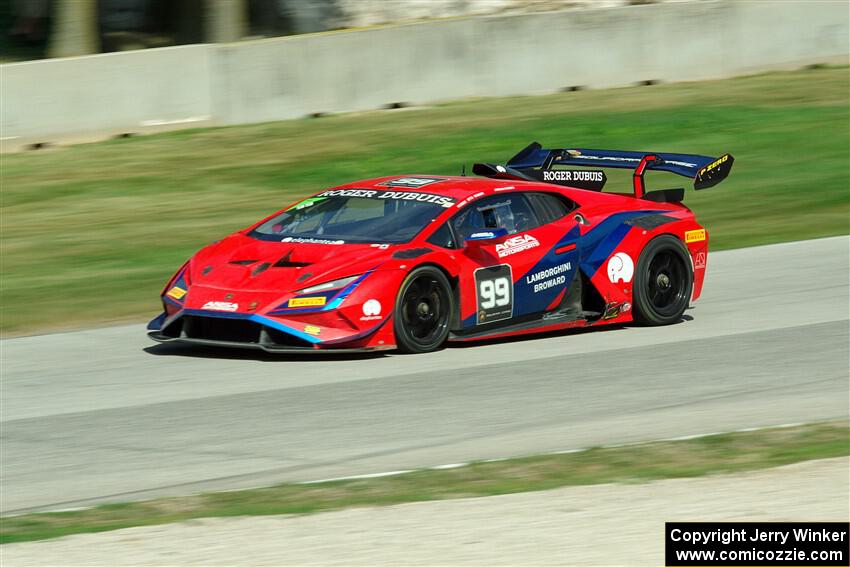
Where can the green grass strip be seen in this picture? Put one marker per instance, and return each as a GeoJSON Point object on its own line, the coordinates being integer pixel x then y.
{"type": "Point", "coordinates": [715, 454]}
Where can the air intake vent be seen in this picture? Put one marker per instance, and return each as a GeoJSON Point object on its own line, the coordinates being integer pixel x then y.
{"type": "Point", "coordinates": [260, 269]}
{"type": "Point", "coordinates": [224, 330]}
{"type": "Point", "coordinates": [242, 262]}
{"type": "Point", "coordinates": [285, 262]}
{"type": "Point", "coordinates": [238, 331]}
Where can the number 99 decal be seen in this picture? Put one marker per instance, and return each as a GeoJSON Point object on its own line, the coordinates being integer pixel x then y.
{"type": "Point", "coordinates": [494, 292]}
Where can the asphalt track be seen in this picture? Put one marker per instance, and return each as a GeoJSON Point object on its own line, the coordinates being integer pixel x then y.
{"type": "Point", "coordinates": [104, 415]}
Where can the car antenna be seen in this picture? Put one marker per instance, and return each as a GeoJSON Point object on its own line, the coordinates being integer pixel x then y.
{"type": "Point", "coordinates": [463, 170]}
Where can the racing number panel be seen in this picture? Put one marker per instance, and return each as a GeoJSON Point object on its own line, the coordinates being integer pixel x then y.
{"type": "Point", "coordinates": [494, 294]}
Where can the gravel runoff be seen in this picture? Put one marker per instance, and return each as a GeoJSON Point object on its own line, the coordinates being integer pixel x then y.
{"type": "Point", "coordinates": [588, 525]}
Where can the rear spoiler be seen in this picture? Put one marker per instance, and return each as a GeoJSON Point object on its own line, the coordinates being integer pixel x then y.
{"type": "Point", "coordinates": [536, 163]}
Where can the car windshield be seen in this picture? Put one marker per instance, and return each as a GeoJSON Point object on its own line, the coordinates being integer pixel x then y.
{"type": "Point", "coordinates": [340, 219]}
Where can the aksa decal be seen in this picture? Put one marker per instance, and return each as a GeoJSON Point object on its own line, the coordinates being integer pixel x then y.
{"type": "Point", "coordinates": [307, 301]}
{"type": "Point", "coordinates": [694, 235]}
{"type": "Point", "coordinates": [176, 292]}
{"type": "Point", "coordinates": [516, 244]}
{"type": "Point", "coordinates": [699, 261]}
{"type": "Point", "coordinates": [220, 306]}
{"type": "Point", "coordinates": [371, 310]}
{"type": "Point", "coordinates": [620, 268]}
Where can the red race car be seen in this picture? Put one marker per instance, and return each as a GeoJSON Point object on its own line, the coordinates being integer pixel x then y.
{"type": "Point", "coordinates": [410, 262]}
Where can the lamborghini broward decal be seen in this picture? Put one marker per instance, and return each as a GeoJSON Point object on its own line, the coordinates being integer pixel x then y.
{"type": "Point", "coordinates": [548, 278]}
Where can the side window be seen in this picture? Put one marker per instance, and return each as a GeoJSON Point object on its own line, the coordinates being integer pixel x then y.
{"type": "Point", "coordinates": [550, 207]}
{"type": "Point", "coordinates": [511, 212]}
{"type": "Point", "coordinates": [442, 237]}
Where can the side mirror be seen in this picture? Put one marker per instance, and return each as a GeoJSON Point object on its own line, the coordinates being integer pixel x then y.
{"type": "Point", "coordinates": [485, 237]}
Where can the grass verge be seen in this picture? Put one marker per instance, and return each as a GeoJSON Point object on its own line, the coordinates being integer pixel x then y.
{"type": "Point", "coordinates": [90, 233]}
{"type": "Point", "coordinates": [714, 454]}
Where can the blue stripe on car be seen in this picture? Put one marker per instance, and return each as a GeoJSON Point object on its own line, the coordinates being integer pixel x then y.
{"type": "Point", "coordinates": [592, 249]}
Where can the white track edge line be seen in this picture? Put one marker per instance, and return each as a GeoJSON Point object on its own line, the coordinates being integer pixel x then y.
{"type": "Point", "coordinates": [568, 451]}
{"type": "Point", "coordinates": [468, 463]}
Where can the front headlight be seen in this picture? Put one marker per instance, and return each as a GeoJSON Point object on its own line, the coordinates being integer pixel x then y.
{"type": "Point", "coordinates": [328, 286]}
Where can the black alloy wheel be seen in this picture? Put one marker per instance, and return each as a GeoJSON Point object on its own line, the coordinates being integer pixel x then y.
{"type": "Point", "coordinates": [423, 310]}
{"type": "Point", "coordinates": [663, 281]}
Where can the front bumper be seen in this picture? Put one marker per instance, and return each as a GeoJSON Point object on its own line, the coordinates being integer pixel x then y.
{"type": "Point", "coordinates": [234, 330]}
{"type": "Point", "coordinates": [265, 347]}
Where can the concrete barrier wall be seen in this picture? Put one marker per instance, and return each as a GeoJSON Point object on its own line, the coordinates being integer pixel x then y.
{"type": "Point", "coordinates": [110, 93]}
{"type": "Point", "coordinates": [295, 76]}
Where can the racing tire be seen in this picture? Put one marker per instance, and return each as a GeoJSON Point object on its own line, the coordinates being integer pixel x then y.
{"type": "Point", "coordinates": [663, 282]}
{"type": "Point", "coordinates": [423, 311]}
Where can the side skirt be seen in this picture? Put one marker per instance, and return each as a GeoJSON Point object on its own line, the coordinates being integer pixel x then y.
{"type": "Point", "coordinates": [525, 328]}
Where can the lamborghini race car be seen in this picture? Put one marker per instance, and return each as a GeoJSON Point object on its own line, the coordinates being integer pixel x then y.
{"type": "Point", "coordinates": [413, 261]}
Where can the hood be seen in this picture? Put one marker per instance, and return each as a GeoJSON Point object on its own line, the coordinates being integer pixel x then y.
{"type": "Point", "coordinates": [242, 263]}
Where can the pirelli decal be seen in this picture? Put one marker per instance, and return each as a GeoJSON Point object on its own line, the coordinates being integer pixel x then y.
{"type": "Point", "coordinates": [316, 301]}
{"type": "Point", "coordinates": [694, 236]}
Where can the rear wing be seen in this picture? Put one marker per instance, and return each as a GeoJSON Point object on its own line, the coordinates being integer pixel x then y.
{"type": "Point", "coordinates": [536, 163]}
